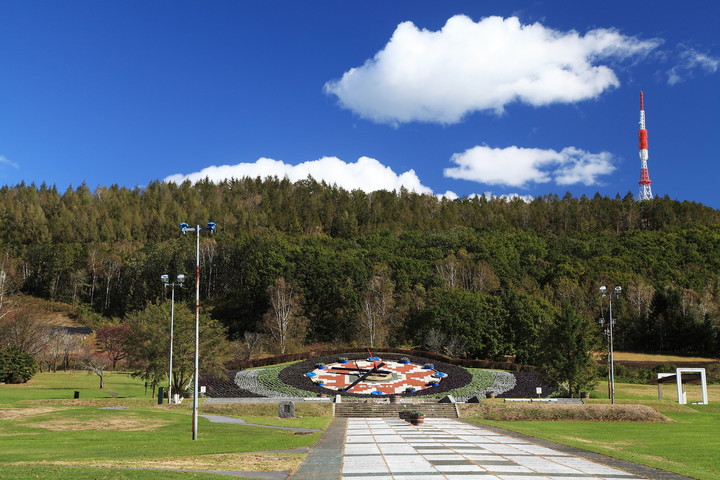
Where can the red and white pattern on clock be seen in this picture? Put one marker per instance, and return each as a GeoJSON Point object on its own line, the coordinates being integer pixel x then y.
{"type": "Point", "coordinates": [405, 375]}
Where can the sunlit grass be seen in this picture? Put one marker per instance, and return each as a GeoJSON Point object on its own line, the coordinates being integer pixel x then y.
{"type": "Point", "coordinates": [43, 426]}
{"type": "Point", "coordinates": [687, 446]}
{"type": "Point", "coordinates": [646, 357]}
{"type": "Point", "coordinates": [634, 392]}
{"type": "Point", "coordinates": [86, 473]}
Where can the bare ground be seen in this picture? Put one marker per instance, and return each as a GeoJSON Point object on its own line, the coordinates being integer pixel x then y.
{"type": "Point", "coordinates": [15, 413]}
{"type": "Point", "coordinates": [125, 424]}
{"type": "Point", "coordinates": [265, 461]}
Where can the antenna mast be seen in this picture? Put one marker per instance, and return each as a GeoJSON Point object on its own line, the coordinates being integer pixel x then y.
{"type": "Point", "coordinates": [645, 190]}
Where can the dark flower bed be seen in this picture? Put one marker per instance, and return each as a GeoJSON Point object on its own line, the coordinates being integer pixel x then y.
{"type": "Point", "coordinates": [525, 385]}
{"type": "Point", "coordinates": [294, 375]}
{"type": "Point", "coordinates": [217, 387]}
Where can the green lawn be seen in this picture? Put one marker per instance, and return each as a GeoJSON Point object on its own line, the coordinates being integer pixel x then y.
{"type": "Point", "coordinates": [86, 473]}
{"type": "Point", "coordinates": [43, 426]}
{"type": "Point", "coordinates": [63, 385]}
{"type": "Point", "coordinates": [45, 433]}
{"type": "Point", "coordinates": [689, 446]}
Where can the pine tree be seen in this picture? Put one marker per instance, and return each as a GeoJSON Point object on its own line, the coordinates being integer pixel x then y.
{"type": "Point", "coordinates": [567, 359]}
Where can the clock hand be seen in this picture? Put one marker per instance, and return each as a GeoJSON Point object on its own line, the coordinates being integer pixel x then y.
{"type": "Point", "coordinates": [361, 378]}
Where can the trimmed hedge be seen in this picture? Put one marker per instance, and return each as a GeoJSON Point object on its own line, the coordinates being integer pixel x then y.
{"type": "Point", "coordinates": [551, 412]}
{"type": "Point", "coordinates": [316, 355]}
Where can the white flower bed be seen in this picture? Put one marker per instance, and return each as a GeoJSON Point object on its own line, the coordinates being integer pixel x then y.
{"type": "Point", "coordinates": [502, 382]}
{"type": "Point", "coordinates": [247, 380]}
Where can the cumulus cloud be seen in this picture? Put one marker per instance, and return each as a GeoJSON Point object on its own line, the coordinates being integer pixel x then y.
{"type": "Point", "coordinates": [448, 195]}
{"type": "Point", "coordinates": [508, 197]}
{"type": "Point", "coordinates": [467, 66]}
{"type": "Point", "coordinates": [689, 62]}
{"type": "Point", "coordinates": [519, 167]}
{"type": "Point", "coordinates": [366, 174]}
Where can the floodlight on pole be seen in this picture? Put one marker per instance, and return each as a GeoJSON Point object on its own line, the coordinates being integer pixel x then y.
{"type": "Point", "coordinates": [179, 280]}
{"type": "Point", "coordinates": [184, 228]}
{"type": "Point", "coordinates": [611, 323]}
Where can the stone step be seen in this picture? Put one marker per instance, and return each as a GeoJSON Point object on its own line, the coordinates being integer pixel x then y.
{"type": "Point", "coordinates": [435, 410]}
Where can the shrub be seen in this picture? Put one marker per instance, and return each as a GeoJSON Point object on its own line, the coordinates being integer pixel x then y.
{"type": "Point", "coordinates": [411, 414]}
{"type": "Point", "coordinates": [16, 366]}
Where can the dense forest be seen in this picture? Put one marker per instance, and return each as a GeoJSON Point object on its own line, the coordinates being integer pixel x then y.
{"type": "Point", "coordinates": [480, 277]}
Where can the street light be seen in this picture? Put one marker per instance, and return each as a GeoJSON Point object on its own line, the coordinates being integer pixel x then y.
{"type": "Point", "coordinates": [611, 322]}
{"type": "Point", "coordinates": [184, 228]}
{"type": "Point", "coordinates": [179, 280]}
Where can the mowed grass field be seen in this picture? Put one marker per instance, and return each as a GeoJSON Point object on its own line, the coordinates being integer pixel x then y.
{"type": "Point", "coordinates": [45, 433]}
{"type": "Point", "coordinates": [689, 445]}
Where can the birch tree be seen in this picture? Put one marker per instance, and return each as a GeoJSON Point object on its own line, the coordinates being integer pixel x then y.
{"type": "Point", "coordinates": [376, 309]}
{"type": "Point", "coordinates": [283, 321]}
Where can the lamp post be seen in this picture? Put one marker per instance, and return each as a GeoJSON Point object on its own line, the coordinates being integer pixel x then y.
{"type": "Point", "coordinates": [184, 228]}
{"type": "Point", "coordinates": [604, 293]}
{"type": "Point", "coordinates": [179, 280]}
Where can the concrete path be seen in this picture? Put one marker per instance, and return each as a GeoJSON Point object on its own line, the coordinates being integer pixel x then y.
{"type": "Point", "coordinates": [449, 449]}
{"type": "Point", "coordinates": [240, 421]}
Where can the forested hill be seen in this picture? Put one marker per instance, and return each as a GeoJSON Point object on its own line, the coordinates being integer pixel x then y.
{"type": "Point", "coordinates": [497, 267]}
{"type": "Point", "coordinates": [35, 215]}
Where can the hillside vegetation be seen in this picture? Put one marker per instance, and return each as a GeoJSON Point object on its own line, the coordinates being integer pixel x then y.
{"type": "Point", "coordinates": [470, 277]}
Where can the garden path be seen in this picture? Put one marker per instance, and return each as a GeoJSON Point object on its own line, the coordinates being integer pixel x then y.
{"type": "Point", "coordinates": [450, 449]}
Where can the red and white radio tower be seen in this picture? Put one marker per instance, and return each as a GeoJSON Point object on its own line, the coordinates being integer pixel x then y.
{"type": "Point", "coordinates": [645, 190]}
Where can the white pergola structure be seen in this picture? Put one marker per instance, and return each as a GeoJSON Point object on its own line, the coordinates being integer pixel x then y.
{"type": "Point", "coordinates": [692, 375]}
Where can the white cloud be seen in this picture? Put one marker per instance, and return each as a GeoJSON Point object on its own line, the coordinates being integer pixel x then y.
{"type": "Point", "coordinates": [366, 174]}
{"type": "Point", "coordinates": [5, 161]}
{"type": "Point", "coordinates": [518, 167]}
{"type": "Point", "coordinates": [510, 197]}
{"type": "Point", "coordinates": [448, 195]}
{"type": "Point", "coordinates": [690, 60]}
{"type": "Point", "coordinates": [467, 66]}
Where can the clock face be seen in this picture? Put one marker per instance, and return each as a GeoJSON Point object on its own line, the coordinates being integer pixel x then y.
{"type": "Point", "coordinates": [368, 377]}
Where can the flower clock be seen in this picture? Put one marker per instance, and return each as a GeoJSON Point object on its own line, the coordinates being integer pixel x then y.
{"type": "Point", "coordinates": [375, 376]}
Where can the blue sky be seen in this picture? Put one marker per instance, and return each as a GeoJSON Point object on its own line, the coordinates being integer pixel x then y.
{"type": "Point", "coordinates": [450, 98]}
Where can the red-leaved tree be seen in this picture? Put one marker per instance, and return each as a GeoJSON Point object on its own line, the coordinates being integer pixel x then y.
{"type": "Point", "coordinates": [111, 340]}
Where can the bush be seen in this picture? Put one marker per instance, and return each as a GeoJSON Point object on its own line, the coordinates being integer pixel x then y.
{"type": "Point", "coordinates": [16, 366]}
{"type": "Point", "coordinates": [554, 412]}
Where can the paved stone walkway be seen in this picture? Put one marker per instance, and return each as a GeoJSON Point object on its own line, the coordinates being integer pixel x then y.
{"type": "Point", "coordinates": [449, 449]}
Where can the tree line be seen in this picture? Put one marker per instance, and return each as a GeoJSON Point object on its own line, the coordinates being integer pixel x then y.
{"type": "Point", "coordinates": [305, 262]}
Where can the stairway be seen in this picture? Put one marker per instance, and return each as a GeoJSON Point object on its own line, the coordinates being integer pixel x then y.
{"type": "Point", "coordinates": [358, 409]}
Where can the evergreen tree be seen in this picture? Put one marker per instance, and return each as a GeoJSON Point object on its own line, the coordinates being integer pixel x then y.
{"type": "Point", "coordinates": [567, 346]}
{"type": "Point", "coordinates": [16, 366]}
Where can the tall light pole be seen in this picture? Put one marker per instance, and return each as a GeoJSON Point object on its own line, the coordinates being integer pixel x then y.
{"type": "Point", "coordinates": [184, 228]}
{"type": "Point", "coordinates": [603, 293]}
{"type": "Point", "coordinates": [165, 279]}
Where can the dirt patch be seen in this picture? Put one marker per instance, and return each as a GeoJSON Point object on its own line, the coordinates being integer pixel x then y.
{"type": "Point", "coordinates": [125, 424]}
{"type": "Point", "coordinates": [15, 413]}
{"type": "Point", "coordinates": [95, 402]}
{"type": "Point", "coordinates": [266, 409]}
{"type": "Point", "coordinates": [228, 461]}
{"type": "Point", "coordinates": [593, 413]}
